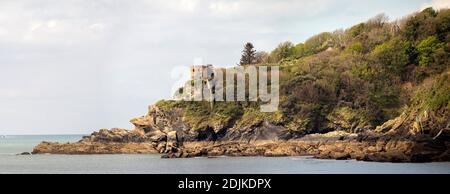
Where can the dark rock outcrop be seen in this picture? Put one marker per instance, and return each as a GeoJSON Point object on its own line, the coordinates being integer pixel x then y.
{"type": "Point", "coordinates": [84, 147]}
{"type": "Point", "coordinates": [165, 131]}
{"type": "Point", "coordinates": [381, 151]}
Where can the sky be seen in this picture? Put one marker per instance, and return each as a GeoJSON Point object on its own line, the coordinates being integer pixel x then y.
{"type": "Point", "coordinates": [75, 66]}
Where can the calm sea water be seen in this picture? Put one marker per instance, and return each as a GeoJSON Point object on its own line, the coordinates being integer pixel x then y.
{"type": "Point", "coordinates": [12, 163]}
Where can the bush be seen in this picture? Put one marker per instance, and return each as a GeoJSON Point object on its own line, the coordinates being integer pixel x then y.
{"type": "Point", "coordinates": [427, 48]}
{"type": "Point", "coordinates": [354, 48]}
{"type": "Point", "coordinates": [392, 55]}
{"type": "Point", "coordinates": [283, 51]}
{"type": "Point", "coordinates": [421, 25]}
{"type": "Point", "coordinates": [443, 25]}
{"type": "Point", "coordinates": [434, 94]}
{"type": "Point", "coordinates": [318, 43]}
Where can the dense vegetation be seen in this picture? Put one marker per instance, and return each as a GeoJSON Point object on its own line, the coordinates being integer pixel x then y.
{"type": "Point", "coordinates": [349, 79]}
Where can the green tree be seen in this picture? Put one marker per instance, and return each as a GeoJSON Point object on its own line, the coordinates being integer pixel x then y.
{"type": "Point", "coordinates": [421, 25]}
{"type": "Point", "coordinates": [392, 55]}
{"type": "Point", "coordinates": [248, 54]}
{"type": "Point", "coordinates": [443, 24]}
{"type": "Point", "coordinates": [427, 48]}
{"type": "Point", "coordinates": [356, 30]}
{"type": "Point", "coordinates": [284, 50]}
{"type": "Point", "coordinates": [318, 43]}
{"type": "Point", "coordinates": [299, 50]}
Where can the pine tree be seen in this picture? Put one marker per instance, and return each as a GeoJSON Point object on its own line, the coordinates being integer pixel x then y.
{"type": "Point", "coordinates": [248, 54]}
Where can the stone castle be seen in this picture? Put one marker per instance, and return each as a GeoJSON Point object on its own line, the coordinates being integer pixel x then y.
{"type": "Point", "coordinates": [200, 87]}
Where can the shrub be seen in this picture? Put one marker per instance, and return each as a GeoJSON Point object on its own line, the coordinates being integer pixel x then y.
{"type": "Point", "coordinates": [427, 48]}
{"type": "Point", "coordinates": [392, 55]}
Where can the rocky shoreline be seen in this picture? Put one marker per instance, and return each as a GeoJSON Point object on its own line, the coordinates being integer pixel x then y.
{"type": "Point", "coordinates": [165, 131]}
{"type": "Point", "coordinates": [94, 148]}
{"type": "Point", "coordinates": [379, 151]}
{"type": "Point", "coordinates": [334, 145]}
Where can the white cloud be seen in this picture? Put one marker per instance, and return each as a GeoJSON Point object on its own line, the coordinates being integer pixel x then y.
{"type": "Point", "coordinates": [264, 8]}
{"type": "Point", "coordinates": [48, 22]}
{"type": "Point", "coordinates": [188, 5]}
{"type": "Point", "coordinates": [10, 93]}
{"type": "Point", "coordinates": [172, 5]}
{"type": "Point", "coordinates": [224, 7]}
{"type": "Point", "coordinates": [437, 4]}
{"type": "Point", "coordinates": [86, 64]}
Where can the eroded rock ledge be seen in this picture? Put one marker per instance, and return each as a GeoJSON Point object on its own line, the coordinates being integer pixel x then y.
{"type": "Point", "coordinates": [114, 141]}
{"type": "Point", "coordinates": [164, 131]}
{"type": "Point", "coordinates": [380, 151]}
{"type": "Point", "coordinates": [333, 145]}
{"type": "Point", "coordinates": [94, 148]}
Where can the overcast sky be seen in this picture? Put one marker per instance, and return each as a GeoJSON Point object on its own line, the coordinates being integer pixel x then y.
{"type": "Point", "coordinates": [74, 66]}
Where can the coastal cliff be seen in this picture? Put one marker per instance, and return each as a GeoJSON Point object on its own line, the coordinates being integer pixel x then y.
{"type": "Point", "coordinates": [378, 91]}
{"type": "Point", "coordinates": [414, 136]}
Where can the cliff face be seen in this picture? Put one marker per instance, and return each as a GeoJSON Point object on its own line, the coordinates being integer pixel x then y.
{"type": "Point", "coordinates": [166, 131]}
{"type": "Point", "coordinates": [416, 135]}
{"type": "Point", "coordinates": [421, 133]}
{"type": "Point", "coordinates": [163, 119]}
{"type": "Point", "coordinates": [418, 120]}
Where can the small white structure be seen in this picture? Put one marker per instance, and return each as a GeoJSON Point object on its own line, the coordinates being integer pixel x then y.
{"type": "Point", "coordinates": [200, 87]}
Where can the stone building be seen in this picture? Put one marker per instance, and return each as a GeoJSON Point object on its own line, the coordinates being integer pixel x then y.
{"type": "Point", "coordinates": [201, 86]}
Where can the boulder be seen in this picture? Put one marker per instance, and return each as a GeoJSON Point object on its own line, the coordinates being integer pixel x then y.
{"type": "Point", "coordinates": [156, 136]}
{"type": "Point", "coordinates": [172, 143]}
{"type": "Point", "coordinates": [115, 135]}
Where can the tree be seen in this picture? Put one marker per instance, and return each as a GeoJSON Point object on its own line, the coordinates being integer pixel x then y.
{"type": "Point", "coordinates": [262, 57]}
{"type": "Point", "coordinates": [284, 50]}
{"type": "Point", "coordinates": [427, 48]}
{"type": "Point", "coordinates": [421, 25]}
{"type": "Point", "coordinates": [392, 55]}
{"type": "Point", "coordinates": [299, 50]}
{"type": "Point", "coordinates": [378, 21]}
{"type": "Point", "coordinates": [248, 54]}
{"type": "Point", "coordinates": [443, 24]}
{"type": "Point", "coordinates": [318, 43]}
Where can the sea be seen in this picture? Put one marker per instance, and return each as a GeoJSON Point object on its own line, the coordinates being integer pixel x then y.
{"type": "Point", "coordinates": [12, 163]}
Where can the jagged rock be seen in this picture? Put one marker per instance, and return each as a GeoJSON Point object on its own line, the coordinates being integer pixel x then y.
{"type": "Point", "coordinates": [172, 136]}
{"type": "Point", "coordinates": [172, 142]}
{"type": "Point", "coordinates": [263, 131]}
{"type": "Point", "coordinates": [115, 135]}
{"type": "Point", "coordinates": [165, 131]}
{"type": "Point", "coordinates": [143, 123]}
{"type": "Point", "coordinates": [391, 151]}
{"type": "Point", "coordinates": [331, 136]}
{"type": "Point", "coordinates": [163, 120]}
{"type": "Point", "coordinates": [156, 136]}
{"type": "Point", "coordinates": [94, 148]}
{"type": "Point", "coordinates": [161, 147]}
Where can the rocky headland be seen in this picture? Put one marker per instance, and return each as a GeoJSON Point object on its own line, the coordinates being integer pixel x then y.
{"type": "Point", "coordinates": [377, 91]}
{"type": "Point", "coordinates": [165, 131]}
